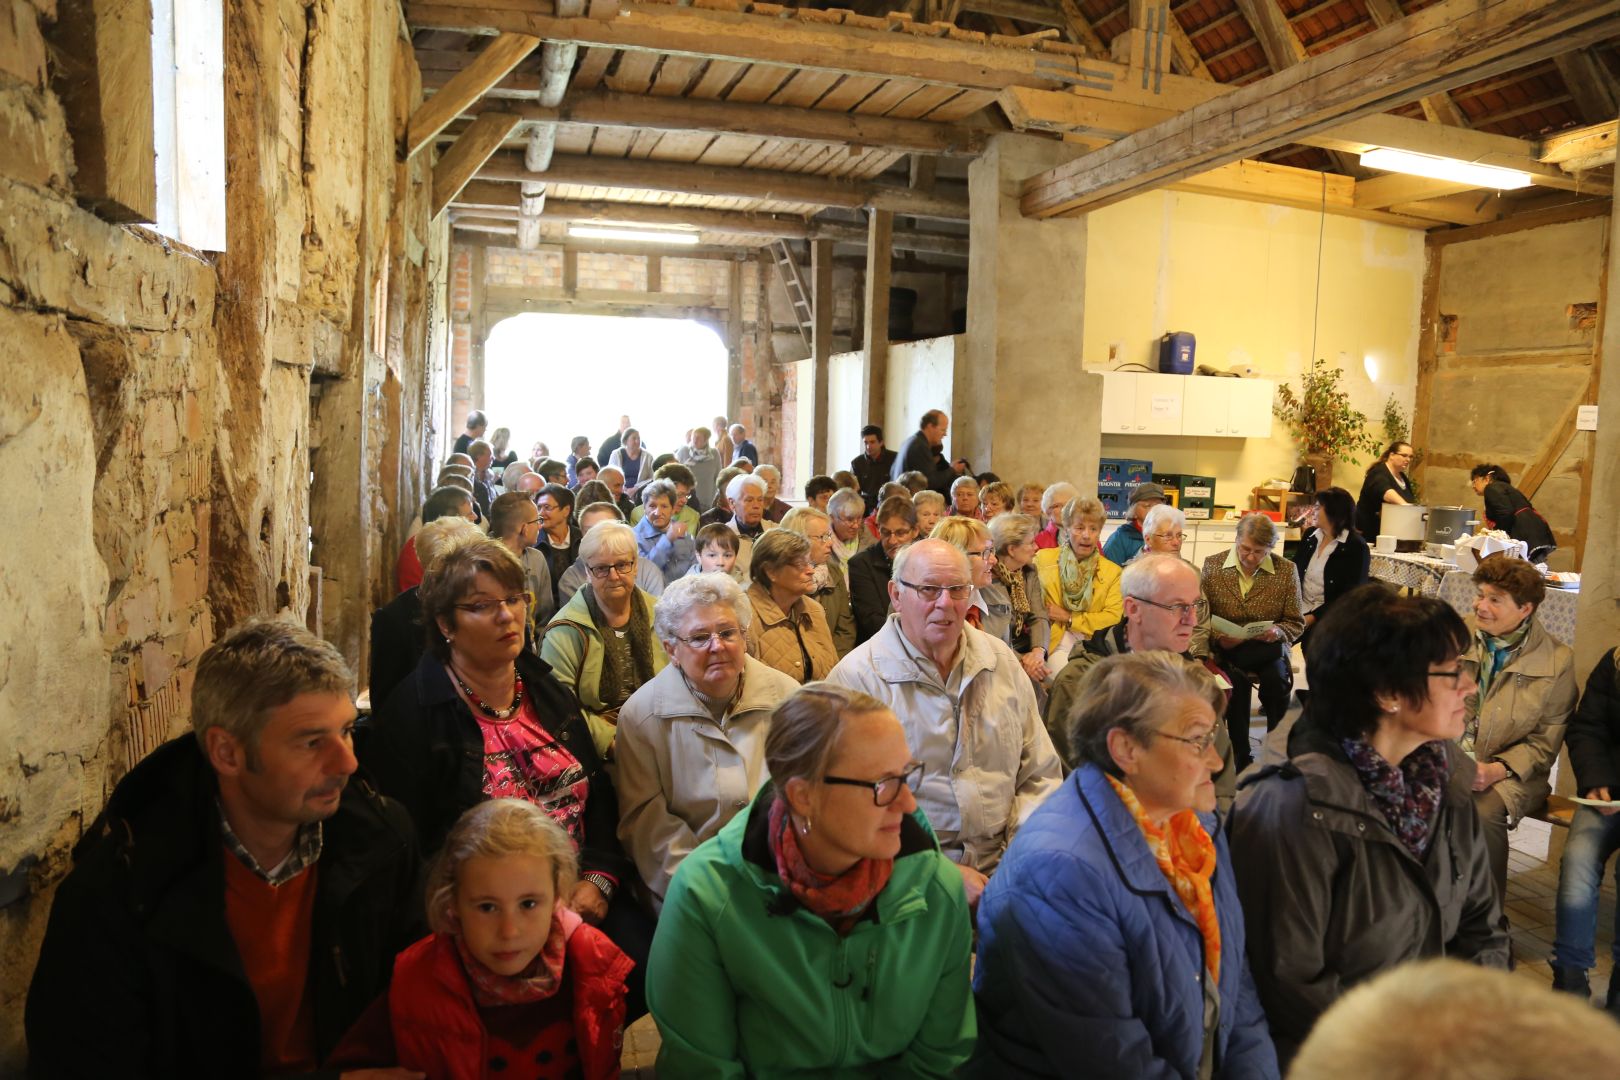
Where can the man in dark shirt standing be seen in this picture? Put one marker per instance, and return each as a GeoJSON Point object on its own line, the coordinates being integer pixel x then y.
{"type": "Point", "coordinates": [477, 424]}
{"type": "Point", "coordinates": [873, 465]}
{"type": "Point", "coordinates": [924, 452]}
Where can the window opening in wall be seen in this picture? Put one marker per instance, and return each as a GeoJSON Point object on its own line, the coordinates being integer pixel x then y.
{"type": "Point", "coordinates": [550, 377]}
{"type": "Point", "coordinates": [188, 117]}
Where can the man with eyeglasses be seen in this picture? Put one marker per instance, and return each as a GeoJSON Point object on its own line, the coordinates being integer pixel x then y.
{"type": "Point", "coordinates": [1163, 606]}
{"type": "Point", "coordinates": [967, 706]}
{"type": "Point", "coordinates": [871, 567]}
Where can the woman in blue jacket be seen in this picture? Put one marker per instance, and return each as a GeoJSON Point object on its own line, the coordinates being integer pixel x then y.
{"type": "Point", "coordinates": [1111, 942]}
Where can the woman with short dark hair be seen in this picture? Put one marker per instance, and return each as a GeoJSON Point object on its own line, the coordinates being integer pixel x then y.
{"type": "Point", "coordinates": [1386, 482]}
{"type": "Point", "coordinates": [1112, 923]}
{"type": "Point", "coordinates": [1334, 558]}
{"type": "Point", "coordinates": [1508, 509]}
{"type": "Point", "coordinates": [1515, 725]}
{"type": "Point", "coordinates": [1355, 841]}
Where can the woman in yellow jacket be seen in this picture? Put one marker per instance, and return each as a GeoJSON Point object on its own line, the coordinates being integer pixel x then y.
{"type": "Point", "coordinates": [1080, 586]}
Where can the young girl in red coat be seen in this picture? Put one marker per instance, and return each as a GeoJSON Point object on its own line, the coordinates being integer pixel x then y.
{"type": "Point", "coordinates": [512, 984]}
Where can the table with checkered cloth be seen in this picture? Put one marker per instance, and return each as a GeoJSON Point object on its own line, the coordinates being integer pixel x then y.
{"type": "Point", "coordinates": [1411, 571]}
{"type": "Point", "coordinates": [1557, 611]}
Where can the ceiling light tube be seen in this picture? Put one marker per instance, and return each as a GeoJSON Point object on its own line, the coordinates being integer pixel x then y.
{"type": "Point", "coordinates": [632, 236]}
{"type": "Point", "coordinates": [1442, 168]}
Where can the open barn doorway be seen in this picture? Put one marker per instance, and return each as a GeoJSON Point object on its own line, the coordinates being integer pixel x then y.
{"type": "Point", "coordinates": [550, 377]}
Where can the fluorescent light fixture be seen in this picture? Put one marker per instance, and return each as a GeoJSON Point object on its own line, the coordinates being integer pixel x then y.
{"type": "Point", "coordinates": [632, 236]}
{"type": "Point", "coordinates": [1442, 168]}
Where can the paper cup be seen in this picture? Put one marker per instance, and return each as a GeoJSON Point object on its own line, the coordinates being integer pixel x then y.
{"type": "Point", "coordinates": [1385, 543]}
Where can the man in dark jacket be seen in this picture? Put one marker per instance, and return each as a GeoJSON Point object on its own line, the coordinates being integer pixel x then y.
{"type": "Point", "coordinates": [1594, 833]}
{"type": "Point", "coordinates": [873, 465]}
{"type": "Point", "coordinates": [869, 568]}
{"type": "Point", "coordinates": [924, 452]}
{"type": "Point", "coordinates": [1507, 509]}
{"type": "Point", "coordinates": [240, 900]}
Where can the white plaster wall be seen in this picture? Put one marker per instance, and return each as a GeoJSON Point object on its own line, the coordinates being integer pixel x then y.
{"type": "Point", "coordinates": [920, 378]}
{"type": "Point", "coordinates": [844, 418]}
{"type": "Point", "coordinates": [1243, 277]}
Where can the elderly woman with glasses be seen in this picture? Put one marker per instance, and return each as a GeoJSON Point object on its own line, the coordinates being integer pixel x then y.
{"type": "Point", "coordinates": [1164, 532]}
{"type": "Point", "coordinates": [832, 585]}
{"type": "Point", "coordinates": [661, 539]}
{"type": "Point", "coordinates": [691, 744]}
{"type": "Point", "coordinates": [482, 718]}
{"type": "Point", "coordinates": [971, 537]}
{"type": "Point", "coordinates": [1355, 841]}
{"type": "Point", "coordinates": [601, 645]}
{"type": "Point", "coordinates": [1079, 585]}
{"type": "Point", "coordinates": [847, 509]}
{"type": "Point", "coordinates": [1254, 616]}
{"type": "Point", "coordinates": [1015, 611]}
{"type": "Point", "coordinates": [1113, 923]}
{"type": "Point", "coordinates": [821, 932]}
{"type": "Point", "coordinates": [789, 630]}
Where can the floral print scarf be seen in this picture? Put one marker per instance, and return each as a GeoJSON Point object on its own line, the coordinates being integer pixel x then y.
{"type": "Point", "coordinates": [1408, 795]}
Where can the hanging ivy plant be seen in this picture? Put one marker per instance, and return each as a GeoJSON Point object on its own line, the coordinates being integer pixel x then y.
{"type": "Point", "coordinates": [1321, 419]}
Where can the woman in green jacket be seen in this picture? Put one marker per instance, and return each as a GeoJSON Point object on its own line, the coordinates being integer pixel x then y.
{"type": "Point", "coordinates": [601, 644]}
{"type": "Point", "coordinates": [822, 930]}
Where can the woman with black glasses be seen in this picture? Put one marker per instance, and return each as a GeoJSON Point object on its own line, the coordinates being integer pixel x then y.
{"type": "Point", "coordinates": [1110, 940]}
{"type": "Point", "coordinates": [821, 932]}
{"type": "Point", "coordinates": [1355, 841]}
{"type": "Point", "coordinates": [691, 743]}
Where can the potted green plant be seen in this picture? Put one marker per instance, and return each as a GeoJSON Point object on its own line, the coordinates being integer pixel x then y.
{"type": "Point", "coordinates": [1324, 423]}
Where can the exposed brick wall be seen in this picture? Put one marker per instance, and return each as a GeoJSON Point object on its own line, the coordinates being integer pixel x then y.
{"type": "Point", "coordinates": [461, 338]}
{"type": "Point", "coordinates": [508, 266]}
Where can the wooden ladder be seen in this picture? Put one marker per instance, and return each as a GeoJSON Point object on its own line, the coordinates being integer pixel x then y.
{"type": "Point", "coordinates": [798, 290]}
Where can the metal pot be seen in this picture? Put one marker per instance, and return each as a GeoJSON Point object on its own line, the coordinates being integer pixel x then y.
{"type": "Point", "coordinates": [1404, 523]}
{"type": "Point", "coordinates": [1448, 523]}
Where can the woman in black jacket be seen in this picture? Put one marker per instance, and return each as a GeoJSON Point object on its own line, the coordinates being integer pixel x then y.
{"type": "Point", "coordinates": [483, 717]}
{"type": "Point", "coordinates": [1507, 509]}
{"type": "Point", "coordinates": [1334, 558]}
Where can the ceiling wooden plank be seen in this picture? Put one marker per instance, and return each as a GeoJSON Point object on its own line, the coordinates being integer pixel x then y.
{"type": "Point", "coordinates": [593, 64]}
{"type": "Point", "coordinates": [493, 63]}
{"type": "Point", "coordinates": [1582, 148]}
{"type": "Point", "coordinates": [1590, 85]}
{"type": "Point", "coordinates": [1438, 107]}
{"type": "Point", "coordinates": [467, 155]}
{"type": "Point", "coordinates": [850, 92]}
{"type": "Point", "coordinates": [1452, 42]}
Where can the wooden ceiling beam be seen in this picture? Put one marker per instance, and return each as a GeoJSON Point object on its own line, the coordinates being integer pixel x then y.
{"type": "Point", "coordinates": [606, 108]}
{"type": "Point", "coordinates": [835, 40]}
{"type": "Point", "coordinates": [492, 64]}
{"type": "Point", "coordinates": [467, 155]}
{"type": "Point", "coordinates": [1402, 133]}
{"type": "Point", "coordinates": [1438, 107]}
{"type": "Point", "coordinates": [1581, 148]}
{"type": "Point", "coordinates": [1590, 84]}
{"type": "Point", "coordinates": [1277, 39]}
{"type": "Point", "coordinates": [1384, 191]}
{"type": "Point", "coordinates": [1285, 185]}
{"type": "Point", "coordinates": [1450, 43]}
{"type": "Point", "coordinates": [637, 174]}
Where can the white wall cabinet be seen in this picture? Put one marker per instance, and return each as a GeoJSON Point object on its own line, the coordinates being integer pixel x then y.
{"type": "Point", "coordinates": [1148, 403]}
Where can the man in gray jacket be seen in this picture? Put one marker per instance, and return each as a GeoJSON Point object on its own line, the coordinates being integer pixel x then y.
{"type": "Point", "coordinates": [967, 707]}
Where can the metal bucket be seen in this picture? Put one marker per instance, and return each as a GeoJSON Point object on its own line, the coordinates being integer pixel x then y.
{"type": "Point", "coordinates": [1405, 524]}
{"type": "Point", "coordinates": [1448, 523]}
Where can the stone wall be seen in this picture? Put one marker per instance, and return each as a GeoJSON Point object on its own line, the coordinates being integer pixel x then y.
{"type": "Point", "coordinates": [163, 410]}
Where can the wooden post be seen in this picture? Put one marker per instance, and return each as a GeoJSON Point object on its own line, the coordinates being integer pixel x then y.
{"type": "Point", "coordinates": [102, 52]}
{"type": "Point", "coordinates": [879, 239]}
{"type": "Point", "coordinates": [822, 303]}
{"type": "Point", "coordinates": [479, 326]}
{"type": "Point", "coordinates": [734, 335]}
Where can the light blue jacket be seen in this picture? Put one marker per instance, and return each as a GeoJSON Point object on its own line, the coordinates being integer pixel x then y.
{"type": "Point", "coordinates": [1090, 963]}
{"type": "Point", "coordinates": [672, 557]}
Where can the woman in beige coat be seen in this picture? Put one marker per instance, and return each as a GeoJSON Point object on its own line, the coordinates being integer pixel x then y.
{"type": "Point", "coordinates": [789, 630]}
{"type": "Point", "coordinates": [831, 589]}
{"type": "Point", "coordinates": [691, 743]}
{"type": "Point", "coordinates": [1527, 691]}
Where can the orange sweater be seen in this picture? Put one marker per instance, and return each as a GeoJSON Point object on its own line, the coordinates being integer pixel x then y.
{"type": "Point", "coordinates": [271, 927]}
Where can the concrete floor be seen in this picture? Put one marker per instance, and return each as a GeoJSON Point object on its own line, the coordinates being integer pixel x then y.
{"type": "Point", "coordinates": [1532, 892]}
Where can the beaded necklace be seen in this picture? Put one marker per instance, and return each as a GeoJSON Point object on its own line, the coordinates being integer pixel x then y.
{"type": "Point", "coordinates": [483, 706]}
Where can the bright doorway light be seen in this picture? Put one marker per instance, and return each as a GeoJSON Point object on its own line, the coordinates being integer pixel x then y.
{"type": "Point", "coordinates": [1369, 364]}
{"type": "Point", "coordinates": [550, 377]}
{"type": "Point", "coordinates": [1442, 168]}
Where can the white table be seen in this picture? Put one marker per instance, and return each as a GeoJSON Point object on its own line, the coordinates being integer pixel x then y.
{"type": "Point", "coordinates": [1410, 570]}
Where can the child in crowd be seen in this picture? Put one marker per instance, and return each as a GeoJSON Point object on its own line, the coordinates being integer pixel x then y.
{"type": "Point", "coordinates": [717, 547]}
{"type": "Point", "coordinates": [512, 982]}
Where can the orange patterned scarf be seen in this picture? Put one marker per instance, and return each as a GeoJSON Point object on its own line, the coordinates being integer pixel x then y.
{"type": "Point", "coordinates": [1186, 855]}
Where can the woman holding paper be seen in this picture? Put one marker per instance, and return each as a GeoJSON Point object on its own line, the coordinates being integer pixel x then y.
{"type": "Point", "coordinates": [1253, 618]}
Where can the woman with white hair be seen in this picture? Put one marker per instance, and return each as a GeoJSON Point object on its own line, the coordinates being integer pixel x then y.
{"type": "Point", "coordinates": [691, 745]}
{"type": "Point", "coordinates": [1053, 500]}
{"type": "Point", "coordinates": [847, 509]}
{"type": "Point", "coordinates": [1017, 611]}
{"type": "Point", "coordinates": [662, 540]}
{"type": "Point", "coordinates": [775, 508]}
{"type": "Point", "coordinates": [1164, 531]}
{"type": "Point", "coordinates": [601, 644]}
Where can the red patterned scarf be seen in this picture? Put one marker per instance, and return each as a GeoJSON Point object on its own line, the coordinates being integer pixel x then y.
{"type": "Point", "coordinates": [840, 900]}
{"type": "Point", "coordinates": [534, 983]}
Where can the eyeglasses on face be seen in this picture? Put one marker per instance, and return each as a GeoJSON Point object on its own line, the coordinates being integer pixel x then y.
{"type": "Point", "coordinates": [885, 789]}
{"type": "Point", "coordinates": [485, 609]}
{"type": "Point", "coordinates": [626, 568]}
{"type": "Point", "coordinates": [1199, 743]}
{"type": "Point", "coordinates": [895, 534]}
{"type": "Point", "coordinates": [1169, 536]}
{"type": "Point", "coordinates": [982, 553]}
{"type": "Point", "coordinates": [930, 593]}
{"type": "Point", "coordinates": [1454, 674]}
{"type": "Point", "coordinates": [1183, 612]}
{"type": "Point", "coordinates": [701, 642]}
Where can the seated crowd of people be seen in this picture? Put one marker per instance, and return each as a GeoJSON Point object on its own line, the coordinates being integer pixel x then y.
{"type": "Point", "coordinates": [918, 776]}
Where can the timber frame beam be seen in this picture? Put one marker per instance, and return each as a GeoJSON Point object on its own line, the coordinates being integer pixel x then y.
{"type": "Point", "coordinates": [489, 67]}
{"type": "Point", "coordinates": [1453, 42]}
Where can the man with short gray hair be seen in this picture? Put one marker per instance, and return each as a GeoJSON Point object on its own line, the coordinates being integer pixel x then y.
{"type": "Point", "coordinates": [235, 880]}
{"type": "Point", "coordinates": [968, 709]}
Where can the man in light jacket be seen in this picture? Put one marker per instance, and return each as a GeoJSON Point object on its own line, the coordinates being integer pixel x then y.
{"type": "Point", "coordinates": [968, 709]}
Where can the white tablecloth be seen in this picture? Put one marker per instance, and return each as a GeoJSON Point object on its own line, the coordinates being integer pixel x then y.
{"type": "Point", "coordinates": [1557, 611]}
{"type": "Point", "coordinates": [1411, 571]}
